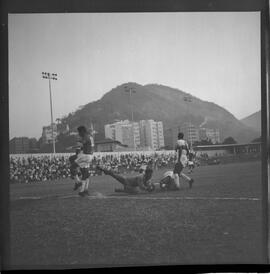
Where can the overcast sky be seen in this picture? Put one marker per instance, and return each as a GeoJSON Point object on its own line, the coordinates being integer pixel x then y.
{"type": "Point", "coordinates": [214, 56]}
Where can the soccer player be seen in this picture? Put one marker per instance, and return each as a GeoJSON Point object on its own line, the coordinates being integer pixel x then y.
{"type": "Point", "coordinates": [191, 161]}
{"type": "Point", "coordinates": [83, 160]}
{"type": "Point", "coordinates": [75, 169]}
{"type": "Point", "coordinates": [168, 181]}
{"type": "Point", "coordinates": [182, 151]}
{"type": "Point", "coordinates": [133, 184]}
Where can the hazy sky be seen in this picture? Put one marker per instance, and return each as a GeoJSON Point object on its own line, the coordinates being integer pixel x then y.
{"type": "Point", "coordinates": [214, 56]}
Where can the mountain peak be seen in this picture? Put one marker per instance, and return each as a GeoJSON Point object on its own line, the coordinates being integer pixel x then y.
{"type": "Point", "coordinates": [253, 121]}
{"type": "Point", "coordinates": [161, 103]}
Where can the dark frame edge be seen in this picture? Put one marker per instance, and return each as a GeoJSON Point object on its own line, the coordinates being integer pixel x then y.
{"type": "Point", "coordinates": [266, 120]}
{"type": "Point", "coordinates": [4, 137]}
{"type": "Point", "coordinates": [265, 126]}
{"type": "Point", "coordinates": [69, 6]}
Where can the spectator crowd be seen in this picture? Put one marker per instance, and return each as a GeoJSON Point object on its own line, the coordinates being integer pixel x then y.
{"type": "Point", "coordinates": [35, 169]}
{"type": "Point", "coordinates": [41, 168]}
{"type": "Point", "coordinates": [49, 168]}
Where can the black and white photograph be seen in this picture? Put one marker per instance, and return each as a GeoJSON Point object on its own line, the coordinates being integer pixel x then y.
{"type": "Point", "coordinates": [135, 139]}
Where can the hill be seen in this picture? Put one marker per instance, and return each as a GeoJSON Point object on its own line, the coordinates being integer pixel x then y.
{"type": "Point", "coordinates": [253, 121]}
{"type": "Point", "coordinates": [162, 103]}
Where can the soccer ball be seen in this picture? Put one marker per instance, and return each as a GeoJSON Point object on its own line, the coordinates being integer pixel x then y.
{"type": "Point", "coordinates": [163, 186]}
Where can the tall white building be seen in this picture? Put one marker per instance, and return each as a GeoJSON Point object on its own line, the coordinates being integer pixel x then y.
{"type": "Point", "coordinates": [145, 134]}
{"type": "Point", "coordinates": [191, 132]}
{"type": "Point", "coordinates": [127, 135]}
{"type": "Point", "coordinates": [125, 132]}
{"type": "Point", "coordinates": [47, 136]}
{"type": "Point", "coordinates": [151, 134]}
{"type": "Point", "coordinates": [136, 133]}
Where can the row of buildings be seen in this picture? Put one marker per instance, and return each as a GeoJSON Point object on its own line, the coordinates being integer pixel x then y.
{"type": "Point", "coordinates": [121, 135]}
{"type": "Point", "coordinates": [195, 134]}
{"type": "Point", "coordinates": [50, 132]}
{"type": "Point", "coordinates": [143, 135]}
{"type": "Point", "coordinates": [19, 145]}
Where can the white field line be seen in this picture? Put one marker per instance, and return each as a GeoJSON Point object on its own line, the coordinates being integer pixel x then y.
{"type": "Point", "coordinates": [101, 196]}
{"type": "Point", "coordinates": [176, 198]}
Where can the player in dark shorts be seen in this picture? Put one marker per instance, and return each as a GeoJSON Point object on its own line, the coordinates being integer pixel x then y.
{"type": "Point", "coordinates": [182, 151]}
{"type": "Point", "coordinates": [133, 184]}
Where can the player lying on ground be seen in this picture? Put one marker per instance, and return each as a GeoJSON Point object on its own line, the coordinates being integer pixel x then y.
{"type": "Point", "coordinates": [133, 184]}
{"type": "Point", "coordinates": [182, 152]}
{"type": "Point", "coordinates": [81, 161]}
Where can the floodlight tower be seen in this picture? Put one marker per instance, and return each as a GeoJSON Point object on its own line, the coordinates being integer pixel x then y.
{"type": "Point", "coordinates": [131, 91]}
{"type": "Point", "coordinates": [50, 76]}
{"type": "Point", "coordinates": [188, 99]}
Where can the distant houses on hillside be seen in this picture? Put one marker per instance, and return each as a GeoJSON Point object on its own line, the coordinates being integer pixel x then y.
{"type": "Point", "coordinates": [194, 134]}
{"type": "Point", "coordinates": [20, 145]}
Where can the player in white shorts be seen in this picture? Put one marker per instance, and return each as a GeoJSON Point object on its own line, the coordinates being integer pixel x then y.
{"type": "Point", "coordinates": [83, 160]}
{"type": "Point", "coordinates": [181, 162]}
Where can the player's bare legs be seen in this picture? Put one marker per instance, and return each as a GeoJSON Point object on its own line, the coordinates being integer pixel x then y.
{"type": "Point", "coordinates": [190, 180]}
{"type": "Point", "coordinates": [84, 182]}
{"type": "Point", "coordinates": [177, 170]}
{"type": "Point", "coordinates": [121, 179]}
{"type": "Point", "coordinates": [178, 173]}
{"type": "Point", "coordinates": [74, 171]}
{"type": "Point", "coordinates": [84, 157]}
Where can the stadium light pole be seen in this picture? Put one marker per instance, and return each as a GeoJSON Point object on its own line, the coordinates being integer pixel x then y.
{"type": "Point", "coordinates": [93, 131]}
{"type": "Point", "coordinates": [188, 99]}
{"type": "Point", "coordinates": [50, 76]}
{"type": "Point", "coordinates": [130, 91]}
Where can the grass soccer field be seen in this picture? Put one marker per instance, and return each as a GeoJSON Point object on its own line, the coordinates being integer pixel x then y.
{"type": "Point", "coordinates": [219, 220]}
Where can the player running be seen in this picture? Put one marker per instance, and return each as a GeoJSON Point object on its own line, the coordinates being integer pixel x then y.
{"type": "Point", "coordinates": [133, 184]}
{"type": "Point", "coordinates": [182, 151]}
{"type": "Point", "coordinates": [82, 160]}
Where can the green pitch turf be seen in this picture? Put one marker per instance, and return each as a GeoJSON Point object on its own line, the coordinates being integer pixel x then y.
{"type": "Point", "coordinates": [219, 220]}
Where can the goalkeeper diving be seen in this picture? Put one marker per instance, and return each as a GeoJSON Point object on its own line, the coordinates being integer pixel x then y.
{"type": "Point", "coordinates": [133, 184]}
